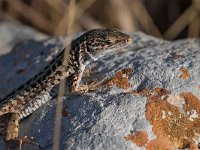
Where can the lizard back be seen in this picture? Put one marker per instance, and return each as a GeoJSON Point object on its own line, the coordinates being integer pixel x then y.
{"type": "Point", "coordinates": [35, 91]}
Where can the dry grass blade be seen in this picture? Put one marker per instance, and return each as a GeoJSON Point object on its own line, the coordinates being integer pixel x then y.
{"type": "Point", "coordinates": [27, 12]}
{"type": "Point", "coordinates": [189, 14]}
{"type": "Point", "coordinates": [57, 4]}
{"type": "Point", "coordinates": [123, 15]}
{"type": "Point", "coordinates": [67, 20]}
{"type": "Point", "coordinates": [58, 115]}
{"type": "Point", "coordinates": [144, 18]}
{"type": "Point", "coordinates": [88, 22]}
{"type": "Point", "coordinates": [83, 5]}
{"type": "Point", "coordinates": [1, 12]}
{"type": "Point", "coordinates": [194, 28]}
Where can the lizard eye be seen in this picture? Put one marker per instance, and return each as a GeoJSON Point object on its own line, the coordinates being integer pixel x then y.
{"type": "Point", "coordinates": [108, 42]}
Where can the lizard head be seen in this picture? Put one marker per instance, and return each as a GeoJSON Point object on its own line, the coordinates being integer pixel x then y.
{"type": "Point", "coordinates": [103, 41]}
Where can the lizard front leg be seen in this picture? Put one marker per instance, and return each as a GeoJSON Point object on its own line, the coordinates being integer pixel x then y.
{"type": "Point", "coordinates": [78, 88]}
{"type": "Point", "coordinates": [75, 86]}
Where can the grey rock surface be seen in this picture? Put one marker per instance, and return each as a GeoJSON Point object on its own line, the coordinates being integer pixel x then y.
{"type": "Point", "coordinates": [13, 33]}
{"type": "Point", "coordinates": [103, 119]}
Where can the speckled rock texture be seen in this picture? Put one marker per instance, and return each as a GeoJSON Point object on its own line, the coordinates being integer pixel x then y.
{"type": "Point", "coordinates": [151, 99]}
{"type": "Point", "coordinates": [13, 33]}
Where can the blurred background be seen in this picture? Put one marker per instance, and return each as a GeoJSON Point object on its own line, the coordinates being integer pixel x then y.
{"type": "Point", "coordinates": [168, 19]}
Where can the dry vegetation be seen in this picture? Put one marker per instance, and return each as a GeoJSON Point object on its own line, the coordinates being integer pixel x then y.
{"type": "Point", "coordinates": [169, 19]}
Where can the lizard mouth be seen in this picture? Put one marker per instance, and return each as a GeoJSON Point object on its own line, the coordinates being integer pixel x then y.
{"type": "Point", "coordinates": [125, 43]}
{"type": "Point", "coordinates": [129, 41]}
{"type": "Point", "coordinates": [122, 44]}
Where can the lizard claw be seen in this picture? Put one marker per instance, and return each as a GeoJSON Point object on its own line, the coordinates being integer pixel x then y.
{"type": "Point", "coordinates": [29, 140]}
{"type": "Point", "coordinates": [20, 141]}
{"type": "Point", "coordinates": [10, 130]}
{"type": "Point", "coordinates": [95, 84]}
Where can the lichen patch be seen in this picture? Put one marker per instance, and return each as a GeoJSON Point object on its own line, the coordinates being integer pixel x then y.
{"type": "Point", "coordinates": [160, 144]}
{"type": "Point", "coordinates": [185, 74]}
{"type": "Point", "coordinates": [65, 112]}
{"type": "Point", "coordinates": [121, 79]}
{"type": "Point", "coordinates": [173, 127]}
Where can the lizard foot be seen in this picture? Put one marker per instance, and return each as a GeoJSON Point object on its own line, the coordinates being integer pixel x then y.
{"type": "Point", "coordinates": [80, 90]}
{"type": "Point", "coordinates": [10, 129]}
{"type": "Point", "coordinates": [95, 84]}
{"type": "Point", "coordinates": [18, 142]}
{"type": "Point", "coordinates": [89, 87]}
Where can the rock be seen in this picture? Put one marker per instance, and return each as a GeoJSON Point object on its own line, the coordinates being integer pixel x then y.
{"type": "Point", "coordinates": [12, 33]}
{"type": "Point", "coordinates": [150, 101]}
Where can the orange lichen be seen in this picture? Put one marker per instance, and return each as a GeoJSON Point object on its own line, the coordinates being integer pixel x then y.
{"type": "Point", "coordinates": [171, 125]}
{"type": "Point", "coordinates": [65, 112]}
{"type": "Point", "coordinates": [185, 74]}
{"type": "Point", "coordinates": [120, 79]}
{"type": "Point", "coordinates": [160, 92]}
{"type": "Point", "coordinates": [139, 138]}
{"type": "Point", "coordinates": [159, 144]}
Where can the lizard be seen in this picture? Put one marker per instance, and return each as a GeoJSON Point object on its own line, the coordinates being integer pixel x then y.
{"type": "Point", "coordinates": [90, 46]}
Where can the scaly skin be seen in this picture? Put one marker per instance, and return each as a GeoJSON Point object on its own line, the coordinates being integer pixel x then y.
{"type": "Point", "coordinates": [87, 48]}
